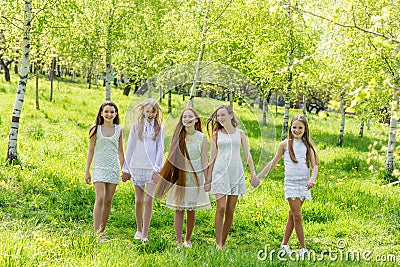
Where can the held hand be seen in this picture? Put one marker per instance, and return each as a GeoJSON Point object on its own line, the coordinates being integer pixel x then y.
{"type": "Point", "coordinates": [88, 178]}
{"type": "Point", "coordinates": [126, 176]}
{"type": "Point", "coordinates": [255, 181]}
{"type": "Point", "coordinates": [155, 177]}
{"type": "Point", "coordinates": [207, 186]}
{"type": "Point", "coordinates": [310, 184]}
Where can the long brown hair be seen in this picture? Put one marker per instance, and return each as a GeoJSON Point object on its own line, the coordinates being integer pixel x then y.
{"type": "Point", "coordinates": [306, 139]}
{"type": "Point", "coordinates": [157, 120]}
{"type": "Point", "coordinates": [100, 119]}
{"type": "Point", "coordinates": [175, 167]}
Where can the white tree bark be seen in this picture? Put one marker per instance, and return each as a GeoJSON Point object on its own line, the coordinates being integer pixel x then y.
{"type": "Point", "coordinates": [305, 106]}
{"type": "Point", "coordinates": [190, 102]}
{"type": "Point", "coordinates": [108, 72]}
{"type": "Point", "coordinates": [343, 112]}
{"type": "Point", "coordinates": [23, 78]}
{"type": "Point", "coordinates": [393, 126]}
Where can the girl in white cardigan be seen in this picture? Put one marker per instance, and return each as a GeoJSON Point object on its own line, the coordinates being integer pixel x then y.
{"type": "Point", "coordinates": [144, 156]}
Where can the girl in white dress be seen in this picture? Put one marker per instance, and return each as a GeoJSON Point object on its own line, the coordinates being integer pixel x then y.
{"type": "Point", "coordinates": [182, 175]}
{"type": "Point", "coordinates": [225, 177]}
{"type": "Point", "coordinates": [144, 157]}
{"type": "Point", "coordinates": [106, 152]}
{"type": "Point", "coordinates": [299, 155]}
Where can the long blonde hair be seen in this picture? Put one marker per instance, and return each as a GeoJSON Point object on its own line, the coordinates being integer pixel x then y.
{"type": "Point", "coordinates": [157, 120]}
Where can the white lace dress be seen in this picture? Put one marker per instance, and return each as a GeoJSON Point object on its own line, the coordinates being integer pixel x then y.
{"type": "Point", "coordinates": [228, 172]}
{"type": "Point", "coordinates": [297, 174]}
{"type": "Point", "coordinates": [105, 160]}
{"type": "Point", "coordinates": [195, 197]}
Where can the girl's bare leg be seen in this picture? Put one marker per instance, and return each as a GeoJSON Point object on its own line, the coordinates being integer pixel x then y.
{"type": "Point", "coordinates": [178, 224]}
{"type": "Point", "coordinates": [219, 219]}
{"type": "Point", "coordinates": [148, 209]}
{"type": "Point", "coordinates": [190, 221]}
{"type": "Point", "coordinates": [229, 211]}
{"type": "Point", "coordinates": [295, 207]}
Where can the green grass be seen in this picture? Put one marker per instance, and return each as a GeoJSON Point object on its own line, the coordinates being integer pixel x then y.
{"type": "Point", "coordinates": [46, 208]}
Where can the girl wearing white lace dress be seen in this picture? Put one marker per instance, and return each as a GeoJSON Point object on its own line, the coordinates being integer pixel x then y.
{"type": "Point", "coordinates": [182, 175]}
{"type": "Point", "coordinates": [225, 177]}
{"type": "Point", "coordinates": [299, 155]}
{"type": "Point", "coordinates": [106, 152]}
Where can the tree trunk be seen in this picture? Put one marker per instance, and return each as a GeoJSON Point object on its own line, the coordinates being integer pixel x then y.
{"type": "Point", "coordinates": [169, 101]}
{"type": "Point", "coordinates": [5, 64]}
{"type": "Point", "coordinates": [264, 111]}
{"type": "Point", "coordinates": [37, 86]}
{"type": "Point", "coordinates": [305, 106]}
{"type": "Point", "coordinates": [230, 97]}
{"type": "Point", "coordinates": [343, 112]}
{"type": "Point", "coordinates": [53, 66]}
{"type": "Point", "coordinates": [287, 107]}
{"type": "Point", "coordinates": [13, 135]}
{"type": "Point", "coordinates": [149, 95]}
{"type": "Point", "coordinates": [393, 126]}
{"type": "Point", "coordinates": [199, 59]}
{"type": "Point", "coordinates": [361, 133]}
{"type": "Point", "coordinates": [127, 87]}
{"type": "Point", "coordinates": [16, 65]}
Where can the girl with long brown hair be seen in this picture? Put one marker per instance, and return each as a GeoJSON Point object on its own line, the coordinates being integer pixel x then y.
{"type": "Point", "coordinates": [182, 175]}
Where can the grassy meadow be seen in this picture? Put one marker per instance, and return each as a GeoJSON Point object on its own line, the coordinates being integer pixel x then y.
{"type": "Point", "coordinates": [46, 207]}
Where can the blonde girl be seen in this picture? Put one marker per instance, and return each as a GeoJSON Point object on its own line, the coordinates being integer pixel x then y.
{"type": "Point", "coordinates": [106, 152]}
{"type": "Point", "coordinates": [225, 177]}
{"type": "Point", "coordinates": [144, 156]}
{"type": "Point", "coordinates": [299, 156]}
{"type": "Point", "coordinates": [182, 176]}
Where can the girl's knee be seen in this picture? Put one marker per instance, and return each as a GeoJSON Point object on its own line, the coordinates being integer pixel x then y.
{"type": "Point", "coordinates": [99, 200]}
{"type": "Point", "coordinates": [297, 216]}
{"type": "Point", "coordinates": [139, 202]}
{"type": "Point", "coordinates": [148, 200]}
{"type": "Point", "coordinates": [221, 208]}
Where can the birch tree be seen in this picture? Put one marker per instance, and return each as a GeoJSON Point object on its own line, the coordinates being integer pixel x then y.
{"type": "Point", "coordinates": [23, 78]}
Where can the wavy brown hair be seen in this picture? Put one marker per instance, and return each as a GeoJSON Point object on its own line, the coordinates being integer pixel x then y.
{"type": "Point", "coordinates": [306, 139]}
{"type": "Point", "coordinates": [157, 120]}
{"type": "Point", "coordinates": [175, 167]}
{"type": "Point", "coordinates": [100, 119]}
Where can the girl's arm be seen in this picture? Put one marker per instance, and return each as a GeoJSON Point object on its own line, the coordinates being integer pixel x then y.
{"type": "Point", "coordinates": [203, 154]}
{"type": "Point", "coordinates": [246, 149]}
{"type": "Point", "coordinates": [130, 148]}
{"type": "Point", "coordinates": [314, 172]}
{"type": "Point", "coordinates": [121, 157]}
{"type": "Point", "coordinates": [271, 164]}
{"type": "Point", "coordinates": [88, 176]}
{"type": "Point", "coordinates": [160, 151]}
{"type": "Point", "coordinates": [213, 154]}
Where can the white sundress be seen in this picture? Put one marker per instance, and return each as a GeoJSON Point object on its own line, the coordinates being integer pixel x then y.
{"type": "Point", "coordinates": [228, 172]}
{"type": "Point", "coordinates": [105, 160]}
{"type": "Point", "coordinates": [297, 174]}
{"type": "Point", "coordinates": [195, 197]}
